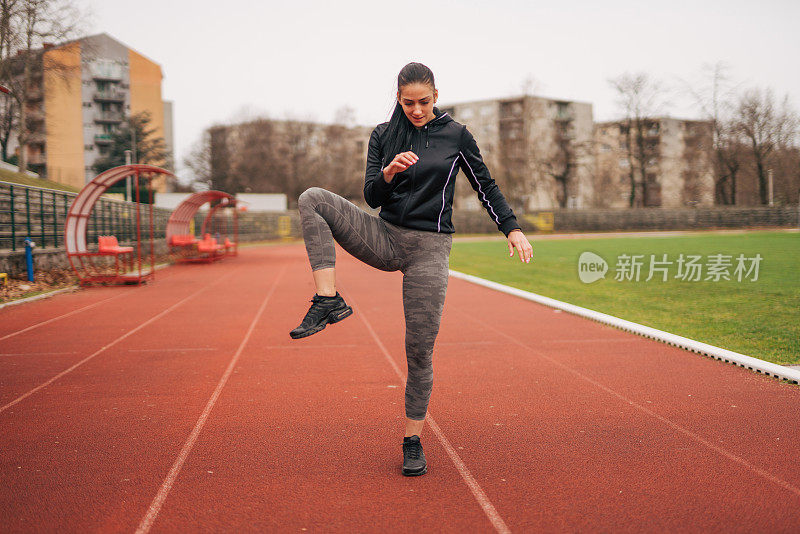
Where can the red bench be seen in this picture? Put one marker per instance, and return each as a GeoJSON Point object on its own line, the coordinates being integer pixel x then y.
{"type": "Point", "coordinates": [183, 240]}
{"type": "Point", "coordinates": [230, 247]}
{"type": "Point", "coordinates": [107, 245]}
{"type": "Point", "coordinates": [208, 245]}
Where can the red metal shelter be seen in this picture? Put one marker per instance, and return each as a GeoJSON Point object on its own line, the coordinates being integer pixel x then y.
{"type": "Point", "coordinates": [86, 263]}
{"type": "Point", "coordinates": [181, 238]}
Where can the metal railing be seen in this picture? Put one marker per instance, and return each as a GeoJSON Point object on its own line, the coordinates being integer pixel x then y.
{"type": "Point", "coordinates": [38, 213]}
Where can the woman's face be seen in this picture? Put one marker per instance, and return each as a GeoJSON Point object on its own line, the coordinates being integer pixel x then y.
{"type": "Point", "coordinates": [417, 100]}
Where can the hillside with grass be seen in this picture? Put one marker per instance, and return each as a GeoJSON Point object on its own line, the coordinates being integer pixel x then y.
{"type": "Point", "coordinates": [24, 179]}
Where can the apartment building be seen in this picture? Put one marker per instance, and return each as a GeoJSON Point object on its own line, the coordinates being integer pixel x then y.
{"type": "Point", "coordinates": [538, 150]}
{"type": "Point", "coordinates": [83, 91]}
{"type": "Point", "coordinates": [676, 155]}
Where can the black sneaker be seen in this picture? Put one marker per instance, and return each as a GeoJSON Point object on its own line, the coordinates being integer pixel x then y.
{"type": "Point", "coordinates": [413, 458]}
{"type": "Point", "coordinates": [323, 310]}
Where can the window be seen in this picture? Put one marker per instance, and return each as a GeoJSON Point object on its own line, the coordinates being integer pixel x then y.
{"type": "Point", "coordinates": [624, 163]}
{"type": "Point", "coordinates": [563, 110]}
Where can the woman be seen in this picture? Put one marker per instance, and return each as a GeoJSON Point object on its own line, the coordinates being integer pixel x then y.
{"type": "Point", "coordinates": [411, 171]}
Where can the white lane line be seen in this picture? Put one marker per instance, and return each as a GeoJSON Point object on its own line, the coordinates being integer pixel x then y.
{"type": "Point", "coordinates": [36, 353]}
{"type": "Point", "coordinates": [174, 350]}
{"type": "Point", "coordinates": [64, 316]}
{"type": "Point", "coordinates": [284, 347]}
{"type": "Point", "coordinates": [131, 332]}
{"type": "Point", "coordinates": [462, 343]}
{"type": "Point", "coordinates": [696, 437]}
{"type": "Point", "coordinates": [472, 484]}
{"type": "Point", "coordinates": [627, 339]}
{"type": "Point", "coordinates": [52, 293]}
{"type": "Point", "coordinates": [166, 486]}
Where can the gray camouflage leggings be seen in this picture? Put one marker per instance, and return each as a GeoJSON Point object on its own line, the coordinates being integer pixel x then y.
{"type": "Point", "coordinates": [421, 256]}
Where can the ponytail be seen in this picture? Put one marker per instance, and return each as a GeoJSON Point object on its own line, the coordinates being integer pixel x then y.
{"type": "Point", "coordinates": [397, 137]}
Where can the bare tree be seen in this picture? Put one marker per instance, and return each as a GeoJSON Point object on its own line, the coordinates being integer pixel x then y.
{"type": "Point", "coordinates": [714, 95]}
{"type": "Point", "coordinates": [766, 127]}
{"type": "Point", "coordinates": [8, 44]}
{"type": "Point", "coordinates": [339, 168]}
{"type": "Point", "coordinates": [29, 25]}
{"type": "Point", "coordinates": [640, 98]}
{"type": "Point", "coordinates": [564, 154]}
{"type": "Point", "coordinates": [531, 85]}
{"type": "Point", "coordinates": [198, 161]}
{"type": "Point", "coordinates": [282, 156]}
{"type": "Point", "coordinates": [728, 162]}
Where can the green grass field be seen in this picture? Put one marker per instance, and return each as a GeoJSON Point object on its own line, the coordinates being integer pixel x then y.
{"type": "Point", "coordinates": [760, 318]}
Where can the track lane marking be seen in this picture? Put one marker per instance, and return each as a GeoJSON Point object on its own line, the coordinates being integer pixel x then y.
{"type": "Point", "coordinates": [166, 486]}
{"type": "Point", "coordinates": [73, 312]}
{"type": "Point", "coordinates": [175, 350]}
{"type": "Point", "coordinates": [122, 337]}
{"type": "Point", "coordinates": [469, 480]}
{"type": "Point", "coordinates": [694, 436]}
{"type": "Point", "coordinates": [37, 353]}
{"type": "Point", "coordinates": [64, 316]}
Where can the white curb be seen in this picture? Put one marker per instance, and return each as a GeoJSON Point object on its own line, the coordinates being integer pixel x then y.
{"type": "Point", "coordinates": [742, 360]}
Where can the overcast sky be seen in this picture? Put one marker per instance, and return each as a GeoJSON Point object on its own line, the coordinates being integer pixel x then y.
{"type": "Point", "coordinates": [231, 59]}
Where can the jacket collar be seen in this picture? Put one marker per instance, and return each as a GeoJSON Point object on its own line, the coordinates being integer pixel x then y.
{"type": "Point", "coordinates": [440, 118]}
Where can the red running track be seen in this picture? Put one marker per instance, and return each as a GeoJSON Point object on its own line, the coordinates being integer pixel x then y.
{"type": "Point", "coordinates": [184, 406]}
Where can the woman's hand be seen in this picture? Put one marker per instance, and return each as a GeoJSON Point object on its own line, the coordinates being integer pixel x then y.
{"type": "Point", "coordinates": [516, 239]}
{"type": "Point", "coordinates": [401, 162]}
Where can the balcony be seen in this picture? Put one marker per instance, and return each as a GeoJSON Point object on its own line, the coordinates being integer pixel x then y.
{"type": "Point", "coordinates": [34, 94]}
{"type": "Point", "coordinates": [107, 76]}
{"type": "Point", "coordinates": [109, 117]}
{"type": "Point", "coordinates": [38, 159]}
{"type": "Point", "coordinates": [106, 70]}
{"type": "Point", "coordinates": [103, 139]}
{"type": "Point", "coordinates": [109, 96]}
{"type": "Point", "coordinates": [36, 115]}
{"type": "Point", "coordinates": [36, 138]}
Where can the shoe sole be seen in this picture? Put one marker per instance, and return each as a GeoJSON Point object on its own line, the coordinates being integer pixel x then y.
{"type": "Point", "coordinates": [415, 473]}
{"type": "Point", "coordinates": [333, 317]}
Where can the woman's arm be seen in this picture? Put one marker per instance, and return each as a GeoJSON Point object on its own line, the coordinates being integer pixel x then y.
{"type": "Point", "coordinates": [491, 197]}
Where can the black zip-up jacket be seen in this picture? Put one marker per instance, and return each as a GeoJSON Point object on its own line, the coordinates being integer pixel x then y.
{"type": "Point", "coordinates": [421, 197]}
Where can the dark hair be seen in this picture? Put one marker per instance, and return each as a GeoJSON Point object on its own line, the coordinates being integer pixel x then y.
{"type": "Point", "coordinates": [397, 137]}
